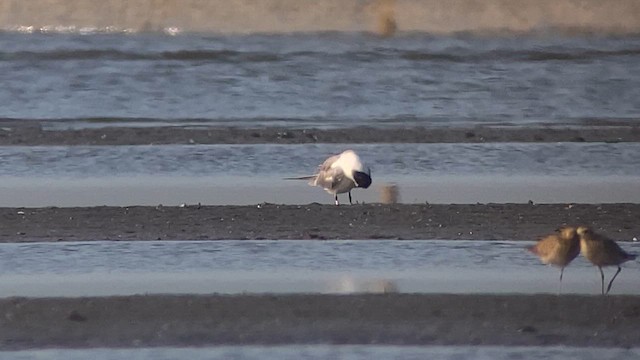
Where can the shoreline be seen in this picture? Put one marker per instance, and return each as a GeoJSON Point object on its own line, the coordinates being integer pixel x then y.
{"type": "Point", "coordinates": [393, 319]}
{"type": "Point", "coordinates": [315, 222]}
{"type": "Point", "coordinates": [274, 319]}
{"type": "Point", "coordinates": [35, 133]}
{"type": "Point", "coordinates": [285, 16]}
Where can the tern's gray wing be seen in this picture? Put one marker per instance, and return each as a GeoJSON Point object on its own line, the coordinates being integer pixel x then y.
{"type": "Point", "coordinates": [324, 176]}
{"type": "Point", "coordinates": [329, 178]}
{"type": "Point", "coordinates": [326, 165]}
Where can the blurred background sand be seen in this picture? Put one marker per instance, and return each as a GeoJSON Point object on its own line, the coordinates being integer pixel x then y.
{"type": "Point", "coordinates": [383, 16]}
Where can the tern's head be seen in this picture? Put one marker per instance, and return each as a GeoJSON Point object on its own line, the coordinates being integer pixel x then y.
{"type": "Point", "coordinates": [362, 179]}
{"type": "Point", "coordinates": [350, 163]}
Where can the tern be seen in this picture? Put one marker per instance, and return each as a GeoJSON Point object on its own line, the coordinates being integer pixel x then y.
{"type": "Point", "coordinates": [340, 174]}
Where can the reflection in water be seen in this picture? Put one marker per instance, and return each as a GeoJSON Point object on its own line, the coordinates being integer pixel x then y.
{"type": "Point", "coordinates": [232, 267]}
{"type": "Point", "coordinates": [350, 285]}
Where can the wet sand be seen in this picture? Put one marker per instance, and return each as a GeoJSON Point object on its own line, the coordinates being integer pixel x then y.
{"type": "Point", "coordinates": [314, 221]}
{"type": "Point", "coordinates": [14, 132]}
{"type": "Point", "coordinates": [134, 321]}
{"type": "Point", "coordinates": [191, 320]}
{"type": "Point", "coordinates": [418, 319]}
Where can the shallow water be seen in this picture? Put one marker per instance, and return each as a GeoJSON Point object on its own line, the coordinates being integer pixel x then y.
{"type": "Point", "coordinates": [219, 190]}
{"type": "Point", "coordinates": [538, 159]}
{"type": "Point", "coordinates": [227, 174]}
{"type": "Point", "coordinates": [319, 79]}
{"type": "Point", "coordinates": [299, 80]}
{"type": "Point", "coordinates": [346, 352]}
{"type": "Point", "coordinates": [122, 268]}
{"type": "Point", "coordinates": [323, 80]}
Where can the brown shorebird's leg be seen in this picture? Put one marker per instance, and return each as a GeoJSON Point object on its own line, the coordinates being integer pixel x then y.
{"type": "Point", "coordinates": [560, 287]}
{"type": "Point", "coordinates": [350, 202]}
{"type": "Point", "coordinates": [601, 278]}
{"type": "Point", "coordinates": [613, 278]}
{"type": "Point", "coordinates": [337, 203]}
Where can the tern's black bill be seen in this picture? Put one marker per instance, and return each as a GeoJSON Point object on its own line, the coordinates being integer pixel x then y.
{"type": "Point", "coordinates": [363, 180]}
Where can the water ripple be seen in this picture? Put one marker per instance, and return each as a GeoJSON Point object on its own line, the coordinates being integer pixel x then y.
{"type": "Point", "coordinates": [556, 159]}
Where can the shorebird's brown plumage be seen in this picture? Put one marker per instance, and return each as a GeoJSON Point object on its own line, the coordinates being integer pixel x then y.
{"type": "Point", "coordinates": [558, 249]}
{"type": "Point", "coordinates": [602, 251]}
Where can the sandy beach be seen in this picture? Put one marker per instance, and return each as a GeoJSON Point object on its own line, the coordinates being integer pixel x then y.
{"type": "Point", "coordinates": [145, 145]}
{"type": "Point", "coordinates": [14, 132]}
{"type": "Point", "coordinates": [315, 222]}
{"type": "Point", "coordinates": [519, 221]}
{"type": "Point", "coordinates": [419, 319]}
{"type": "Point", "coordinates": [318, 319]}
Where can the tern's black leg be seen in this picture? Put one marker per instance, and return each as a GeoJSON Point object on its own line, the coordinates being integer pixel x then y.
{"type": "Point", "coordinates": [560, 287]}
{"type": "Point", "coordinates": [601, 278]}
{"type": "Point", "coordinates": [613, 278]}
{"type": "Point", "coordinates": [350, 202]}
{"type": "Point", "coordinates": [337, 202]}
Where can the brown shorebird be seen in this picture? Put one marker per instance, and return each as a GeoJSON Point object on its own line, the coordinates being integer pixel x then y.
{"type": "Point", "coordinates": [602, 251]}
{"type": "Point", "coordinates": [558, 249]}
